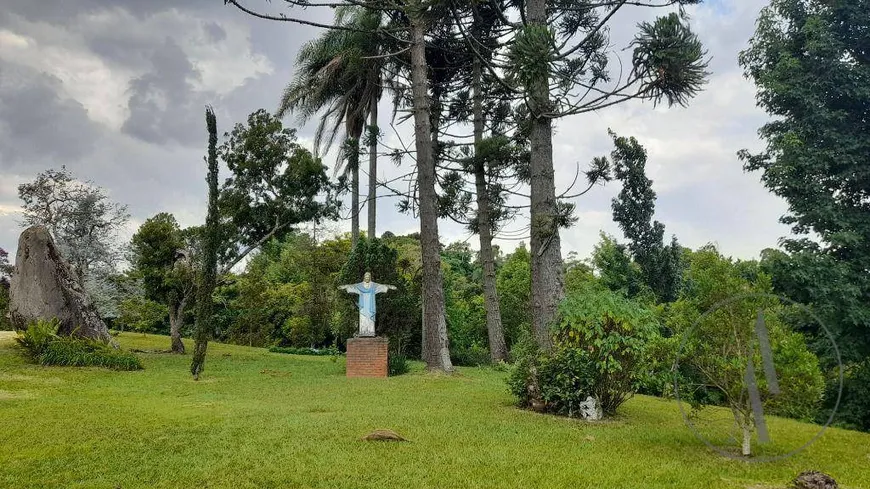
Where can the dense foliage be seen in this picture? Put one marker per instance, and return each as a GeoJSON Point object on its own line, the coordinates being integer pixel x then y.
{"type": "Point", "coordinates": [274, 185]}
{"type": "Point", "coordinates": [809, 60]}
{"type": "Point", "coordinates": [599, 351]}
{"type": "Point", "coordinates": [633, 210]}
{"type": "Point", "coordinates": [41, 344]}
{"type": "Point", "coordinates": [715, 320]}
{"type": "Point", "coordinates": [162, 262]}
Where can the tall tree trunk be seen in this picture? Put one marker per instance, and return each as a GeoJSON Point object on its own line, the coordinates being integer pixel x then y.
{"type": "Point", "coordinates": [435, 348]}
{"type": "Point", "coordinates": [176, 319]}
{"type": "Point", "coordinates": [497, 346]}
{"type": "Point", "coordinates": [548, 279]}
{"type": "Point", "coordinates": [373, 167]}
{"type": "Point", "coordinates": [210, 245]}
{"type": "Point", "coordinates": [353, 130]}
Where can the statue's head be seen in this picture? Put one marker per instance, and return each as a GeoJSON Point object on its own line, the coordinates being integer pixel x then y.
{"type": "Point", "coordinates": [367, 277]}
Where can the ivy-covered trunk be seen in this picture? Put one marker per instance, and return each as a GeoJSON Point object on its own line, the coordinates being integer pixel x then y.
{"type": "Point", "coordinates": [435, 348]}
{"type": "Point", "coordinates": [546, 248]}
{"type": "Point", "coordinates": [210, 244]}
{"type": "Point", "coordinates": [497, 346]}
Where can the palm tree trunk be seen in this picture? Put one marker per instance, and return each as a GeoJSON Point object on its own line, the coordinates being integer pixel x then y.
{"type": "Point", "coordinates": [435, 347]}
{"type": "Point", "coordinates": [354, 131]}
{"type": "Point", "coordinates": [497, 346]}
{"type": "Point", "coordinates": [548, 280]}
{"type": "Point", "coordinates": [373, 168]}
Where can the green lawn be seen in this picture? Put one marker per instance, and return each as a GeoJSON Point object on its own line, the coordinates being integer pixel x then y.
{"type": "Point", "coordinates": [267, 420]}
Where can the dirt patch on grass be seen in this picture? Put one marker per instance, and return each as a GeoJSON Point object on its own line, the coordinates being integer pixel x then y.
{"type": "Point", "coordinates": [12, 395]}
{"type": "Point", "coordinates": [7, 336]}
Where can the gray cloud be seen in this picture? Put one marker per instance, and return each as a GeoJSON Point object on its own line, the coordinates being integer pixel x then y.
{"type": "Point", "coordinates": [215, 32]}
{"type": "Point", "coordinates": [162, 101]}
{"type": "Point", "coordinates": [136, 74]}
{"type": "Point", "coordinates": [36, 123]}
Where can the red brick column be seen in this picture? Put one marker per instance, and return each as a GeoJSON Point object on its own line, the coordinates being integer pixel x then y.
{"type": "Point", "coordinates": [367, 357]}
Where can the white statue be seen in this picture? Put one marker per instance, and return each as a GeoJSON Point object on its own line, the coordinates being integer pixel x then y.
{"type": "Point", "coordinates": [367, 291]}
{"type": "Point", "coordinates": [590, 409]}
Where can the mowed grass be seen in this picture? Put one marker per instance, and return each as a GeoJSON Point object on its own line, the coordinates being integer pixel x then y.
{"type": "Point", "coordinates": [268, 420]}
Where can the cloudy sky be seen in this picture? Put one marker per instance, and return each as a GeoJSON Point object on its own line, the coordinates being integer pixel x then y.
{"type": "Point", "coordinates": [115, 90]}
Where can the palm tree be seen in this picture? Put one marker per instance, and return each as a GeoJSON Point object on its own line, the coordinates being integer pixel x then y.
{"type": "Point", "coordinates": [340, 73]}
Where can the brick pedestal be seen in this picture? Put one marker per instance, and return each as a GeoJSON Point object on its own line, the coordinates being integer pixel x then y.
{"type": "Point", "coordinates": [367, 357]}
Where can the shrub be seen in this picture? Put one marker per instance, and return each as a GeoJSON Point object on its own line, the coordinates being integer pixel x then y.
{"type": "Point", "coordinates": [290, 350]}
{"type": "Point", "coordinates": [36, 338]}
{"type": "Point", "coordinates": [68, 351]}
{"type": "Point", "coordinates": [599, 350]}
{"type": "Point", "coordinates": [472, 356]}
{"type": "Point", "coordinates": [42, 345]}
{"type": "Point", "coordinates": [397, 364]}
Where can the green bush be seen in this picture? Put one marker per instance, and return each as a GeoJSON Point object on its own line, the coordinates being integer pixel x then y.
{"type": "Point", "coordinates": [36, 338]}
{"type": "Point", "coordinates": [42, 345]}
{"type": "Point", "coordinates": [472, 356]}
{"type": "Point", "coordinates": [69, 351]}
{"type": "Point", "coordinates": [599, 350]}
{"type": "Point", "coordinates": [290, 350]}
{"type": "Point", "coordinates": [397, 364]}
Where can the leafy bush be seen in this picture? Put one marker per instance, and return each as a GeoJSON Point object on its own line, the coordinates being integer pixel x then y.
{"type": "Point", "coordinates": [68, 351]}
{"type": "Point", "coordinates": [472, 356]}
{"type": "Point", "coordinates": [599, 350]}
{"type": "Point", "coordinates": [290, 350]}
{"type": "Point", "coordinates": [36, 338]}
{"type": "Point", "coordinates": [854, 409]}
{"type": "Point", "coordinates": [397, 364]}
{"type": "Point", "coordinates": [42, 345]}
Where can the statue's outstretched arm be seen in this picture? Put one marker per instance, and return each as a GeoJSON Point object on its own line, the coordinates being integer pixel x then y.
{"type": "Point", "coordinates": [348, 288]}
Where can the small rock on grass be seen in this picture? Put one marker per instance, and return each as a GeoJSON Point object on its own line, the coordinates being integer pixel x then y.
{"type": "Point", "coordinates": [813, 480]}
{"type": "Point", "coordinates": [383, 435]}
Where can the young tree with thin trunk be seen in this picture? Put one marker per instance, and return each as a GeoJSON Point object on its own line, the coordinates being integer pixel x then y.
{"type": "Point", "coordinates": [211, 240]}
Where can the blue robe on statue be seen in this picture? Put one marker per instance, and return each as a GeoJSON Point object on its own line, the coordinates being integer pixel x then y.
{"type": "Point", "coordinates": [367, 304]}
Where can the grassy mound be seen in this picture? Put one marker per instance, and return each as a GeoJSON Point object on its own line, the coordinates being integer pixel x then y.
{"type": "Point", "coordinates": [265, 420]}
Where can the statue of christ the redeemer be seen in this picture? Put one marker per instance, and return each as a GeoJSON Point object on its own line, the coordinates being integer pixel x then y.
{"type": "Point", "coordinates": [367, 291]}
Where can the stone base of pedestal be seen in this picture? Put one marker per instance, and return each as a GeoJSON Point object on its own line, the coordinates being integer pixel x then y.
{"type": "Point", "coordinates": [367, 357]}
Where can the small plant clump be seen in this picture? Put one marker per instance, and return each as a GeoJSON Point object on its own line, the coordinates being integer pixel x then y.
{"type": "Point", "coordinates": [41, 344]}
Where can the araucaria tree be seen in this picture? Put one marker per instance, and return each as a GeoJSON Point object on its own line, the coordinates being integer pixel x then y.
{"type": "Point", "coordinates": [811, 64]}
{"type": "Point", "coordinates": [211, 241]}
{"type": "Point", "coordinates": [417, 16]}
{"type": "Point", "coordinates": [161, 260]}
{"type": "Point", "coordinates": [559, 64]}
